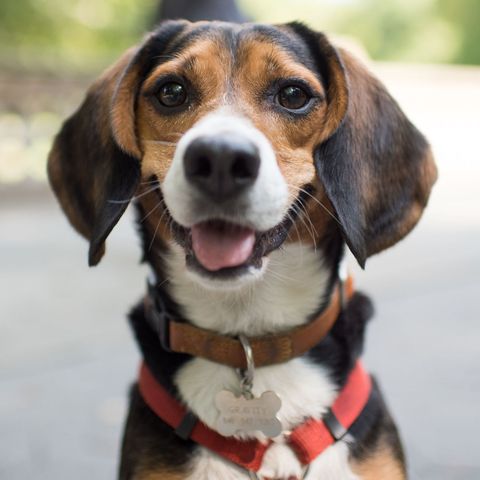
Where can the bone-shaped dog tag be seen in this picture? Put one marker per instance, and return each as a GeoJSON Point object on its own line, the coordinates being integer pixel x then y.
{"type": "Point", "coordinates": [243, 415]}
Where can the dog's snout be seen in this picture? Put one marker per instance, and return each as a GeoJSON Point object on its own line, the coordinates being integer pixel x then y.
{"type": "Point", "coordinates": [221, 166]}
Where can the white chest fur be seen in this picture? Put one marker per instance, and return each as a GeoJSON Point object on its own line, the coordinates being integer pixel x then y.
{"type": "Point", "coordinates": [289, 290]}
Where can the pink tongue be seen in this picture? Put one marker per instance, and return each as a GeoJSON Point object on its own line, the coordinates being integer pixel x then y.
{"type": "Point", "coordinates": [219, 246]}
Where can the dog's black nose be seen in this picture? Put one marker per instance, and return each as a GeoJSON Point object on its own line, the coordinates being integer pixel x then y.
{"type": "Point", "coordinates": [221, 166]}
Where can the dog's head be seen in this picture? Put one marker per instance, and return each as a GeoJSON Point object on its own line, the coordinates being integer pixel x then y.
{"type": "Point", "coordinates": [229, 136]}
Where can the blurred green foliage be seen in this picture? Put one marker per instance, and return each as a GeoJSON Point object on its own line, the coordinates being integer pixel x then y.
{"type": "Point", "coordinates": [75, 35]}
{"type": "Point", "coordinates": [445, 31]}
{"type": "Point", "coordinates": [84, 35]}
{"type": "Point", "coordinates": [464, 16]}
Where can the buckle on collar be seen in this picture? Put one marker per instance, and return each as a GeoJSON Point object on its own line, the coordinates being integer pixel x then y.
{"type": "Point", "coordinates": [159, 316]}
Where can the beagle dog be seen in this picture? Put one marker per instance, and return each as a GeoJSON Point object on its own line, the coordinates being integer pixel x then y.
{"type": "Point", "coordinates": [254, 155]}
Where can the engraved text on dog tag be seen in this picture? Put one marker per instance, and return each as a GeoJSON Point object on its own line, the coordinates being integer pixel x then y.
{"type": "Point", "coordinates": [242, 415]}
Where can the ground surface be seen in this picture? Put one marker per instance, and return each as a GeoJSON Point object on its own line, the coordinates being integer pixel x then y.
{"type": "Point", "coordinates": [67, 356]}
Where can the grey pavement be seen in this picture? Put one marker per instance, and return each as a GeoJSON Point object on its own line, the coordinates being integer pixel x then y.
{"type": "Point", "coordinates": [67, 356]}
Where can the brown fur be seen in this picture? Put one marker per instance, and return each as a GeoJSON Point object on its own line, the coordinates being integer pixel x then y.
{"type": "Point", "coordinates": [196, 63]}
{"type": "Point", "coordinates": [293, 142]}
{"type": "Point", "coordinates": [380, 464]}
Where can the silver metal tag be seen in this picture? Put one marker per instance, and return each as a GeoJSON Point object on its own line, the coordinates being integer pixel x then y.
{"type": "Point", "coordinates": [243, 415]}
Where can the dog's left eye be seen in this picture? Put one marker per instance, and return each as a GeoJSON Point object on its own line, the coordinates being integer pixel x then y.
{"type": "Point", "coordinates": [292, 97]}
{"type": "Point", "coordinates": [172, 94]}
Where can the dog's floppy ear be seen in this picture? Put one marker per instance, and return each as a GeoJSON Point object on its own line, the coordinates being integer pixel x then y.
{"type": "Point", "coordinates": [376, 167]}
{"type": "Point", "coordinates": [94, 165]}
{"type": "Point", "coordinates": [90, 173]}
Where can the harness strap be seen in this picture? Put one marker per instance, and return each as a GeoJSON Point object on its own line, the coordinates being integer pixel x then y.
{"type": "Point", "coordinates": [308, 440]}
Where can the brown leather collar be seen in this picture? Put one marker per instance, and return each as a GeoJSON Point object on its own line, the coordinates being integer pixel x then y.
{"type": "Point", "coordinates": [183, 337]}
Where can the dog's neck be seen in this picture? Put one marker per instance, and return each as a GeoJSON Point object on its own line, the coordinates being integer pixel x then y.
{"type": "Point", "coordinates": [294, 285]}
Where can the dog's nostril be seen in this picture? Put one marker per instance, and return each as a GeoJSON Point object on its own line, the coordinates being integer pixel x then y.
{"type": "Point", "coordinates": [202, 167]}
{"type": "Point", "coordinates": [197, 164]}
{"type": "Point", "coordinates": [242, 168]}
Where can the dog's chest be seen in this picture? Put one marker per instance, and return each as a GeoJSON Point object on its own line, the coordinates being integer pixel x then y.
{"type": "Point", "coordinates": [305, 391]}
{"type": "Point", "coordinates": [291, 289]}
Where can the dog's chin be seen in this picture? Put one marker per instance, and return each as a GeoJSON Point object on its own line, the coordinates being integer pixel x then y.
{"type": "Point", "coordinates": [229, 280]}
{"type": "Point", "coordinates": [220, 269]}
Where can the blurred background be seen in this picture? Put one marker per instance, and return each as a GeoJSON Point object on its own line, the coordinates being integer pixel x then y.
{"type": "Point", "coordinates": [66, 353]}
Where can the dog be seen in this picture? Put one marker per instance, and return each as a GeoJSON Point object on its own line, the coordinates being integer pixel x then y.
{"type": "Point", "coordinates": [254, 156]}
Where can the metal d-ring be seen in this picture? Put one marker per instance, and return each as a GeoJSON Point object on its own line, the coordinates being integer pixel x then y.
{"type": "Point", "coordinates": [246, 382]}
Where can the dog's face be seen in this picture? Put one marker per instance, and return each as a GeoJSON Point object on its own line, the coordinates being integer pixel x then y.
{"type": "Point", "coordinates": [229, 135]}
{"type": "Point", "coordinates": [228, 125]}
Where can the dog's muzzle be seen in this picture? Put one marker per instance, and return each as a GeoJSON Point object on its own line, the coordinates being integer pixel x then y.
{"type": "Point", "coordinates": [226, 194]}
{"type": "Point", "coordinates": [221, 169]}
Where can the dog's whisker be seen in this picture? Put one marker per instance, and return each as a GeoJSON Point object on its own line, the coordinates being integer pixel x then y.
{"type": "Point", "coordinates": [149, 182]}
{"type": "Point", "coordinates": [315, 199]}
{"type": "Point", "coordinates": [162, 142]}
{"type": "Point", "coordinates": [135, 197]}
{"type": "Point", "coordinates": [298, 235]}
{"type": "Point", "coordinates": [279, 277]}
{"type": "Point", "coordinates": [156, 230]}
{"type": "Point", "coordinates": [305, 214]}
{"type": "Point", "coordinates": [300, 215]}
{"type": "Point", "coordinates": [310, 229]}
{"type": "Point", "coordinates": [159, 204]}
{"type": "Point", "coordinates": [299, 238]}
{"type": "Point", "coordinates": [169, 224]}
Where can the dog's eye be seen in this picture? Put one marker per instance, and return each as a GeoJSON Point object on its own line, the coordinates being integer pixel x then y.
{"type": "Point", "coordinates": [172, 94]}
{"type": "Point", "coordinates": [293, 97]}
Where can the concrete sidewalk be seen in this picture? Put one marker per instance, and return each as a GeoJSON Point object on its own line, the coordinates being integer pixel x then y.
{"type": "Point", "coordinates": [67, 356]}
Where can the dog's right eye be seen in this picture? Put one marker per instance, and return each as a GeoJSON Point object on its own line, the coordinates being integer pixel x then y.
{"type": "Point", "coordinates": [172, 94]}
{"type": "Point", "coordinates": [293, 97]}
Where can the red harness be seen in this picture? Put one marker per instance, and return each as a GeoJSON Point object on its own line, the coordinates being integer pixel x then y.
{"type": "Point", "coordinates": [308, 440]}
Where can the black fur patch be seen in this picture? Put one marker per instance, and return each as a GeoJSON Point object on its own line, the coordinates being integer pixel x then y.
{"type": "Point", "coordinates": [161, 363]}
{"type": "Point", "coordinates": [344, 344]}
{"type": "Point", "coordinates": [149, 444]}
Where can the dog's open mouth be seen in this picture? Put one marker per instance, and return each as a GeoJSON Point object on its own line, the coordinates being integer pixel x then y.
{"type": "Point", "coordinates": [221, 249]}
{"type": "Point", "coordinates": [218, 244]}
